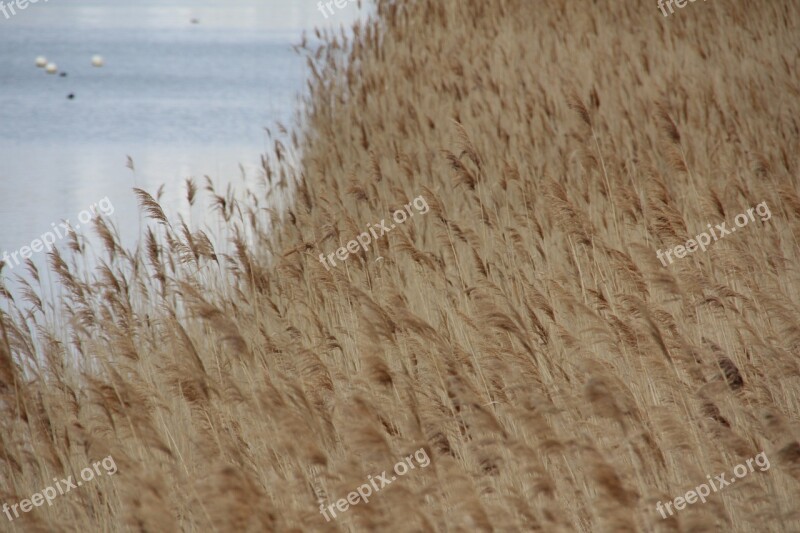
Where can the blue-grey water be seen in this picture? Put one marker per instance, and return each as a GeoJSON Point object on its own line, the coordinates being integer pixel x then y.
{"type": "Point", "coordinates": [187, 89]}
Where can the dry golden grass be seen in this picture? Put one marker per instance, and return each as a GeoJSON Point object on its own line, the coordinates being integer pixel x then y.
{"type": "Point", "coordinates": [523, 331]}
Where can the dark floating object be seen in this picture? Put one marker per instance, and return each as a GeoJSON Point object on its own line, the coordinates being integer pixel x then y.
{"type": "Point", "coordinates": [63, 74]}
{"type": "Point", "coordinates": [71, 96]}
{"type": "Point", "coordinates": [195, 21]}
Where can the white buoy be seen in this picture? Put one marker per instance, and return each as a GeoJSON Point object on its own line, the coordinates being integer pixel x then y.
{"type": "Point", "coordinates": [97, 61]}
{"type": "Point", "coordinates": [41, 61]}
{"type": "Point", "coordinates": [51, 68]}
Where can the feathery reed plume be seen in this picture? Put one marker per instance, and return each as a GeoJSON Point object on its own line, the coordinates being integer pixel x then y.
{"type": "Point", "coordinates": [525, 336]}
{"type": "Point", "coordinates": [149, 205]}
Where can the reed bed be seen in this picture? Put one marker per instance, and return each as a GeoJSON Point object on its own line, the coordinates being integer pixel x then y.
{"type": "Point", "coordinates": [523, 332]}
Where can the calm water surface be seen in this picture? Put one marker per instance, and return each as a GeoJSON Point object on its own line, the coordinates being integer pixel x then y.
{"type": "Point", "coordinates": [180, 98]}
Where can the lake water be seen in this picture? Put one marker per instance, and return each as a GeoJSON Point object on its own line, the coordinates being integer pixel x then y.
{"type": "Point", "coordinates": [181, 98]}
